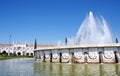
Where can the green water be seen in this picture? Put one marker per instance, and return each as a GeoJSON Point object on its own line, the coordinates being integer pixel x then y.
{"type": "Point", "coordinates": [28, 67]}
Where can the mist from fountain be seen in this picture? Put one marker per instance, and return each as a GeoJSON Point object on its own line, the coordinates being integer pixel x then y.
{"type": "Point", "coordinates": [93, 30]}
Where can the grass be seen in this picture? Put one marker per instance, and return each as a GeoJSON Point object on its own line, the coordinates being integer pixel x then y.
{"type": "Point", "coordinates": [12, 56]}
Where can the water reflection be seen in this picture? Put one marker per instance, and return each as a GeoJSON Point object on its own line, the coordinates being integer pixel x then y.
{"type": "Point", "coordinates": [16, 67]}
{"type": "Point", "coordinates": [63, 69]}
{"type": "Point", "coordinates": [27, 67]}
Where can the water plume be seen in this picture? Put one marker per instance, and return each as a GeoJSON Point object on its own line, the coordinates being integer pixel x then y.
{"type": "Point", "coordinates": [93, 30]}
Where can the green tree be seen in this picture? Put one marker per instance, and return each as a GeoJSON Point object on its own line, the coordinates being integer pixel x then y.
{"type": "Point", "coordinates": [65, 41]}
{"type": "Point", "coordinates": [19, 53]}
{"type": "Point", "coordinates": [116, 40]}
{"type": "Point", "coordinates": [35, 44]}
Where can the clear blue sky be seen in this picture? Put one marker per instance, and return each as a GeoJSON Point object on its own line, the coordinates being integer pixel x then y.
{"type": "Point", "coordinates": [52, 20]}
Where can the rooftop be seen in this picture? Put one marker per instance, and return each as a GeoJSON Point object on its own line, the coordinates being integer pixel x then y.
{"type": "Point", "coordinates": [30, 45]}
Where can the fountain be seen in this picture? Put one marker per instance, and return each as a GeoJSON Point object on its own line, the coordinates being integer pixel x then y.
{"type": "Point", "coordinates": [93, 43]}
{"type": "Point", "coordinates": [93, 30]}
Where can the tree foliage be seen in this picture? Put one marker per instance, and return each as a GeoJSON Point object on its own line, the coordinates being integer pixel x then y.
{"type": "Point", "coordinates": [35, 44]}
{"type": "Point", "coordinates": [116, 40]}
{"type": "Point", "coordinates": [66, 41]}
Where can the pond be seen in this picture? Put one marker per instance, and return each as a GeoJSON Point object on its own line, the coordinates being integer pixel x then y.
{"type": "Point", "coordinates": [28, 67]}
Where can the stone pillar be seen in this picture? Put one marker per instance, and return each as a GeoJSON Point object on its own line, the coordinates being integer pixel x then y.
{"type": "Point", "coordinates": [85, 57]}
{"type": "Point", "coordinates": [72, 57]}
{"type": "Point", "coordinates": [85, 51]}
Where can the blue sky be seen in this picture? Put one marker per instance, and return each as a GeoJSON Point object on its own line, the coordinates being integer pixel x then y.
{"type": "Point", "coordinates": [52, 20]}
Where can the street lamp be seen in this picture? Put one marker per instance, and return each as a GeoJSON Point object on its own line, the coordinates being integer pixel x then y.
{"type": "Point", "coordinates": [9, 44]}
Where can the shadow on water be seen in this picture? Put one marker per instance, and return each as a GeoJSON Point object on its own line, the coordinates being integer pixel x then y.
{"type": "Point", "coordinates": [63, 69]}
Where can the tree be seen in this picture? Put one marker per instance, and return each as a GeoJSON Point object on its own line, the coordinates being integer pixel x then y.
{"type": "Point", "coordinates": [116, 40]}
{"type": "Point", "coordinates": [65, 41]}
{"type": "Point", "coordinates": [35, 44]}
{"type": "Point", "coordinates": [31, 54]}
{"type": "Point", "coordinates": [27, 54]}
{"type": "Point", "coordinates": [19, 53]}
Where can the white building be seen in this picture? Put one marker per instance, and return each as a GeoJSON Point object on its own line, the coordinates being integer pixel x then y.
{"type": "Point", "coordinates": [17, 49]}
{"type": "Point", "coordinates": [20, 48]}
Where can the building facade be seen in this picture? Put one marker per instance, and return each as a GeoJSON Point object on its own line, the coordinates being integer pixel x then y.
{"type": "Point", "coordinates": [20, 48]}
{"type": "Point", "coordinates": [17, 49]}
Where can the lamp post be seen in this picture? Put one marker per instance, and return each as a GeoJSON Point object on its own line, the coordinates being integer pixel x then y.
{"type": "Point", "coordinates": [9, 44]}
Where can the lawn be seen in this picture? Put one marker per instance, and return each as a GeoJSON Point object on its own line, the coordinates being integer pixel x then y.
{"type": "Point", "coordinates": [9, 57]}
